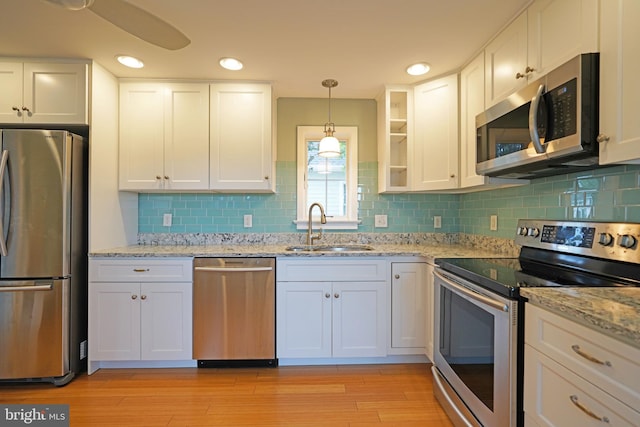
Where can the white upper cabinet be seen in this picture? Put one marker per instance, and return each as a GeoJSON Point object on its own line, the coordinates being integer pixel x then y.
{"type": "Point", "coordinates": [506, 61]}
{"type": "Point", "coordinates": [164, 136]}
{"type": "Point", "coordinates": [471, 104]}
{"type": "Point", "coordinates": [547, 34]}
{"type": "Point", "coordinates": [395, 135]}
{"type": "Point", "coordinates": [241, 148]}
{"type": "Point", "coordinates": [619, 83]}
{"type": "Point", "coordinates": [559, 30]}
{"type": "Point", "coordinates": [435, 153]}
{"type": "Point", "coordinates": [43, 92]}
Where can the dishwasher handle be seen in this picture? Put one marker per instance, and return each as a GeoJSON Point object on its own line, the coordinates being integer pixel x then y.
{"type": "Point", "coordinates": [233, 269]}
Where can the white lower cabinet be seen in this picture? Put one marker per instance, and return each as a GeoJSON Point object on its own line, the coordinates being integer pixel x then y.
{"type": "Point", "coordinates": [575, 376]}
{"type": "Point", "coordinates": [408, 307]}
{"type": "Point", "coordinates": [139, 310]}
{"type": "Point", "coordinates": [331, 308]}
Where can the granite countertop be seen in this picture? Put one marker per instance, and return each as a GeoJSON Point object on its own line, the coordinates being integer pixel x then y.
{"type": "Point", "coordinates": [428, 251]}
{"type": "Point", "coordinates": [613, 311]}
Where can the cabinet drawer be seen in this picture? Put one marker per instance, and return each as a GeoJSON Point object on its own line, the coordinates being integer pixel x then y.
{"type": "Point", "coordinates": [573, 345]}
{"type": "Point", "coordinates": [141, 270]}
{"type": "Point", "coordinates": [555, 396]}
{"type": "Point", "coordinates": [331, 270]}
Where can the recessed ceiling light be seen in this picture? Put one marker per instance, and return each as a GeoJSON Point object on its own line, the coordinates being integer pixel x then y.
{"type": "Point", "coordinates": [130, 61]}
{"type": "Point", "coordinates": [231, 64]}
{"type": "Point", "coordinates": [418, 69]}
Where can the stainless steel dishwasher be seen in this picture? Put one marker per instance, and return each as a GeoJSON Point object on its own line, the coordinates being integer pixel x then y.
{"type": "Point", "coordinates": [234, 312]}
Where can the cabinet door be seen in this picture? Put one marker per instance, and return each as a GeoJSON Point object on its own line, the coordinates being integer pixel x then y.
{"type": "Point", "coordinates": [619, 83]}
{"type": "Point", "coordinates": [303, 319]}
{"type": "Point", "coordinates": [559, 30]}
{"type": "Point", "coordinates": [165, 319]}
{"type": "Point", "coordinates": [359, 319]}
{"type": "Point", "coordinates": [186, 143]}
{"type": "Point", "coordinates": [241, 150]}
{"type": "Point", "coordinates": [471, 104]}
{"type": "Point", "coordinates": [505, 57]}
{"type": "Point", "coordinates": [141, 136]}
{"type": "Point", "coordinates": [11, 90]}
{"type": "Point", "coordinates": [436, 135]}
{"type": "Point", "coordinates": [114, 321]}
{"type": "Point", "coordinates": [408, 316]}
{"type": "Point", "coordinates": [55, 93]}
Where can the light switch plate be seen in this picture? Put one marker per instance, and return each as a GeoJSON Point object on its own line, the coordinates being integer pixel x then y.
{"type": "Point", "coordinates": [166, 219]}
{"type": "Point", "coordinates": [380, 221]}
{"type": "Point", "coordinates": [248, 221]}
{"type": "Point", "coordinates": [493, 223]}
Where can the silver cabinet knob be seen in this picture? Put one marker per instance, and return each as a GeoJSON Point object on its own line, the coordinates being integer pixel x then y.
{"type": "Point", "coordinates": [143, 297]}
{"type": "Point", "coordinates": [158, 177]}
{"type": "Point", "coordinates": [336, 295]}
{"type": "Point", "coordinates": [166, 177]}
{"type": "Point", "coordinates": [134, 296]}
{"type": "Point", "coordinates": [327, 295]}
{"type": "Point", "coordinates": [397, 276]}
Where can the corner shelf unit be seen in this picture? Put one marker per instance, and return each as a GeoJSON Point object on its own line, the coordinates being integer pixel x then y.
{"type": "Point", "coordinates": [394, 134]}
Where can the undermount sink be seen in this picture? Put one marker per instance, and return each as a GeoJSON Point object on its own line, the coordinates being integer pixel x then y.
{"type": "Point", "coordinates": [329, 248]}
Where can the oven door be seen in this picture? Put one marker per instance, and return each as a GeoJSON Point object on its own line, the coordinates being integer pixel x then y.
{"type": "Point", "coordinates": [475, 353]}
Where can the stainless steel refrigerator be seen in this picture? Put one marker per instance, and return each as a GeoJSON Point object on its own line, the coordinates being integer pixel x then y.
{"type": "Point", "coordinates": [43, 255]}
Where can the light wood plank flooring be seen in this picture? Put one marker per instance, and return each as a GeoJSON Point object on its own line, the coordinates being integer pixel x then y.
{"type": "Point", "coordinates": [349, 396]}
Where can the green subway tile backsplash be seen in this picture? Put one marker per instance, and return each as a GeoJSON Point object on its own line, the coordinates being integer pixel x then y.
{"type": "Point", "coordinates": [609, 194]}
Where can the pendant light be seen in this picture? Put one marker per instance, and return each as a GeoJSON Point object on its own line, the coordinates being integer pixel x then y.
{"type": "Point", "coordinates": [329, 145]}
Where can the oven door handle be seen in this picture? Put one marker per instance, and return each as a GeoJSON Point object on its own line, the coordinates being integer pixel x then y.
{"type": "Point", "coordinates": [499, 305]}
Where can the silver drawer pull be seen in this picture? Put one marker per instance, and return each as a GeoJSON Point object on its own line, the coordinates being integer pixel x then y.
{"type": "Point", "coordinates": [574, 400]}
{"type": "Point", "coordinates": [140, 270]}
{"type": "Point", "coordinates": [589, 357]}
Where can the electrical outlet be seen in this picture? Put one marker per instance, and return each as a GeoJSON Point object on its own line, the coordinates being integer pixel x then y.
{"type": "Point", "coordinates": [166, 219]}
{"type": "Point", "coordinates": [437, 221]}
{"type": "Point", "coordinates": [493, 223]}
{"type": "Point", "coordinates": [248, 221]}
{"type": "Point", "coordinates": [380, 221]}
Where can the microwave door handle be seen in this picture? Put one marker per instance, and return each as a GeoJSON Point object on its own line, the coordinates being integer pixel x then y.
{"type": "Point", "coordinates": [533, 120]}
{"type": "Point", "coordinates": [3, 168]}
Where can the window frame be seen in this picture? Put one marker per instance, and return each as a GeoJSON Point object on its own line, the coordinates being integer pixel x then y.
{"type": "Point", "coordinates": [349, 134]}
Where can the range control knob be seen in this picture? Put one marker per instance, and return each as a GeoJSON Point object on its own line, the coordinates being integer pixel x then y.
{"type": "Point", "coordinates": [533, 232]}
{"type": "Point", "coordinates": [627, 241]}
{"type": "Point", "coordinates": [605, 239]}
{"type": "Point", "coordinates": [522, 231]}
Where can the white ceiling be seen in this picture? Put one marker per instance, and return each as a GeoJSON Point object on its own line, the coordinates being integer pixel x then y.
{"type": "Point", "coordinates": [295, 44]}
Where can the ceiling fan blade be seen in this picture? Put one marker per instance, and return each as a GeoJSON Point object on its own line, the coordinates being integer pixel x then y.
{"type": "Point", "coordinates": [140, 23]}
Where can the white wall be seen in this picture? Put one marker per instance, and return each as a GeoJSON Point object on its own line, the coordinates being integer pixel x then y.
{"type": "Point", "coordinates": [113, 215]}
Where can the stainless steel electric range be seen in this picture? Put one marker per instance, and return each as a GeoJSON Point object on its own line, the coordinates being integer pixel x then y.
{"type": "Point", "coordinates": [479, 313]}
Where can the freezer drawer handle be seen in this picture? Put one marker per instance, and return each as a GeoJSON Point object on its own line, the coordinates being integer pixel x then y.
{"type": "Point", "coordinates": [140, 270]}
{"type": "Point", "coordinates": [3, 167]}
{"type": "Point", "coordinates": [235, 270]}
{"type": "Point", "coordinates": [26, 288]}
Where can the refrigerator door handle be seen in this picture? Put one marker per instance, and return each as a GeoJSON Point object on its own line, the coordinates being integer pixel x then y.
{"type": "Point", "coordinates": [26, 288]}
{"type": "Point", "coordinates": [3, 168]}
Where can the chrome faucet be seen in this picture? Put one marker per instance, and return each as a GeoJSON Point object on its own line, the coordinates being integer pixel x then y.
{"type": "Point", "coordinates": [323, 220]}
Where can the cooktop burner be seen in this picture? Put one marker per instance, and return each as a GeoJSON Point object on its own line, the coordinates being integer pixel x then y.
{"type": "Point", "coordinates": [558, 253]}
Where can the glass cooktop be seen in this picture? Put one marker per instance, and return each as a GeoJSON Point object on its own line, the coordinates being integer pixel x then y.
{"type": "Point", "coordinates": [506, 276]}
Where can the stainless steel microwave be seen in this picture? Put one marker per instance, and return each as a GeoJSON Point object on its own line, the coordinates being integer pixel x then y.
{"type": "Point", "coordinates": [550, 127]}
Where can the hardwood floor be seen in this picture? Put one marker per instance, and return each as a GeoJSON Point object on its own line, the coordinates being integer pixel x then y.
{"type": "Point", "coordinates": [346, 395]}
